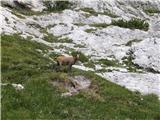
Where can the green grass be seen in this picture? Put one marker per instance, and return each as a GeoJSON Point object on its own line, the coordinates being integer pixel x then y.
{"type": "Point", "coordinates": [134, 23]}
{"type": "Point", "coordinates": [57, 6]}
{"type": "Point", "coordinates": [90, 30]}
{"type": "Point", "coordinates": [90, 64]}
{"type": "Point", "coordinates": [79, 24]}
{"type": "Point", "coordinates": [39, 99]}
{"type": "Point", "coordinates": [90, 10]}
{"type": "Point", "coordinates": [93, 12]}
{"type": "Point", "coordinates": [65, 40]}
{"type": "Point", "coordinates": [79, 45]}
{"type": "Point", "coordinates": [108, 13]}
{"type": "Point", "coordinates": [101, 25]}
{"type": "Point", "coordinates": [107, 62]}
{"type": "Point", "coordinates": [151, 11]}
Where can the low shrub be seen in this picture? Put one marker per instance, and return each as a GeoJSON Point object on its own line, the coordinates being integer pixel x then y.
{"type": "Point", "coordinates": [102, 25]}
{"type": "Point", "coordinates": [57, 5]}
{"type": "Point", "coordinates": [134, 23]}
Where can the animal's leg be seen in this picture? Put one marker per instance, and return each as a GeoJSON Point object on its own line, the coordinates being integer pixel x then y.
{"type": "Point", "coordinates": [58, 66]}
{"type": "Point", "coordinates": [69, 68]}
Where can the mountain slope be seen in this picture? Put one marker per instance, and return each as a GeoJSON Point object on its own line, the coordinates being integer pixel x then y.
{"type": "Point", "coordinates": [117, 40]}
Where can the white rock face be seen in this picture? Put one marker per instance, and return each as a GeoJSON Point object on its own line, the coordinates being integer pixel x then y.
{"type": "Point", "coordinates": [147, 53]}
{"type": "Point", "coordinates": [145, 83]}
{"type": "Point", "coordinates": [35, 5]}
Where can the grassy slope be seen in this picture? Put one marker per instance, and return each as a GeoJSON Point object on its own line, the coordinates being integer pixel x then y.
{"type": "Point", "coordinates": [21, 63]}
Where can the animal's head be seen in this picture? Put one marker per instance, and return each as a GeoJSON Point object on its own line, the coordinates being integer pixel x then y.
{"type": "Point", "coordinates": [77, 56]}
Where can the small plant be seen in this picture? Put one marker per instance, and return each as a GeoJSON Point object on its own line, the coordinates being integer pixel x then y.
{"type": "Point", "coordinates": [50, 38]}
{"type": "Point", "coordinates": [79, 24]}
{"type": "Point", "coordinates": [108, 62]}
{"type": "Point", "coordinates": [57, 5]}
{"type": "Point", "coordinates": [129, 43]}
{"type": "Point", "coordinates": [89, 64]}
{"type": "Point", "coordinates": [134, 23]}
{"type": "Point", "coordinates": [79, 45]}
{"type": "Point", "coordinates": [90, 30]}
{"type": "Point", "coordinates": [90, 10]}
{"type": "Point", "coordinates": [93, 12]}
{"type": "Point", "coordinates": [103, 70]}
{"type": "Point", "coordinates": [65, 40]}
{"type": "Point", "coordinates": [150, 11]}
{"type": "Point", "coordinates": [128, 61]}
{"type": "Point", "coordinates": [101, 25]}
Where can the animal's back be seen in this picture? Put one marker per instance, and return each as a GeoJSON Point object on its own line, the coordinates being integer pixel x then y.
{"type": "Point", "coordinates": [65, 59]}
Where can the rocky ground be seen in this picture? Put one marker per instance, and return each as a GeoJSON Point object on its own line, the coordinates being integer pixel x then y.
{"type": "Point", "coordinates": [86, 27]}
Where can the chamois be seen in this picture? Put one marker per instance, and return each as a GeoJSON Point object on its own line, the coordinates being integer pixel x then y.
{"type": "Point", "coordinates": [67, 60]}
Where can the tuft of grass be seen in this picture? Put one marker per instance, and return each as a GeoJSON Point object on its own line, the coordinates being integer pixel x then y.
{"type": "Point", "coordinates": [103, 70]}
{"type": "Point", "coordinates": [130, 65]}
{"type": "Point", "coordinates": [17, 14]}
{"type": "Point", "coordinates": [90, 30]}
{"type": "Point", "coordinates": [57, 6]}
{"type": "Point", "coordinates": [134, 23]}
{"type": "Point", "coordinates": [51, 38]}
{"type": "Point", "coordinates": [22, 10]}
{"type": "Point", "coordinates": [79, 24]}
{"type": "Point", "coordinates": [107, 62]}
{"type": "Point", "coordinates": [89, 64]}
{"type": "Point", "coordinates": [129, 43]}
{"type": "Point", "coordinates": [79, 46]}
{"type": "Point", "coordinates": [65, 40]}
{"type": "Point", "coordinates": [151, 11]}
{"type": "Point", "coordinates": [93, 12]}
{"type": "Point", "coordinates": [90, 10]}
{"type": "Point", "coordinates": [101, 25]}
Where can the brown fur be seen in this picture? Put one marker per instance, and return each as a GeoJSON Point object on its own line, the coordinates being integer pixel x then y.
{"type": "Point", "coordinates": [67, 60]}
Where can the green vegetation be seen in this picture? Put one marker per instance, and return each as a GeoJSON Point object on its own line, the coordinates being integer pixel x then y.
{"type": "Point", "coordinates": [17, 14]}
{"type": "Point", "coordinates": [134, 23]}
{"type": "Point", "coordinates": [20, 9]}
{"type": "Point", "coordinates": [107, 62]}
{"type": "Point", "coordinates": [82, 57]}
{"type": "Point", "coordinates": [39, 99]}
{"type": "Point", "coordinates": [151, 11]}
{"type": "Point", "coordinates": [51, 38]}
{"type": "Point", "coordinates": [27, 12]}
{"type": "Point", "coordinates": [101, 25]}
{"type": "Point", "coordinates": [57, 6]}
{"type": "Point", "coordinates": [79, 45]}
{"type": "Point", "coordinates": [93, 12]}
{"type": "Point", "coordinates": [89, 64]}
{"type": "Point", "coordinates": [56, 39]}
{"type": "Point", "coordinates": [79, 24]}
{"type": "Point", "coordinates": [103, 70]}
{"type": "Point", "coordinates": [131, 67]}
{"type": "Point", "coordinates": [90, 30]}
{"type": "Point", "coordinates": [90, 10]}
{"type": "Point", "coordinates": [65, 40]}
{"type": "Point", "coordinates": [129, 43]}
